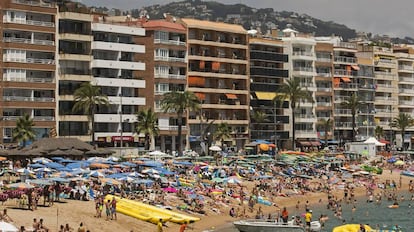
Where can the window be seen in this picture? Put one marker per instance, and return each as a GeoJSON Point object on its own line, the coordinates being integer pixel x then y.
{"type": "Point", "coordinates": [161, 52]}
{"type": "Point", "coordinates": [161, 70]}
{"type": "Point", "coordinates": [162, 87]}
{"type": "Point", "coordinates": [161, 35]}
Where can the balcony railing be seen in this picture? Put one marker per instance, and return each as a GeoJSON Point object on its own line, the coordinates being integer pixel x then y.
{"type": "Point", "coordinates": [43, 118]}
{"type": "Point", "coordinates": [170, 76]}
{"type": "Point", "coordinates": [169, 59]}
{"type": "Point", "coordinates": [29, 60]}
{"type": "Point", "coordinates": [344, 59]}
{"type": "Point", "coordinates": [34, 3]}
{"type": "Point", "coordinates": [31, 22]}
{"type": "Point", "coordinates": [303, 53]}
{"type": "Point", "coordinates": [28, 41]}
{"type": "Point", "coordinates": [324, 89]}
{"type": "Point", "coordinates": [322, 74]}
{"type": "Point", "coordinates": [323, 104]}
{"type": "Point", "coordinates": [303, 69]}
{"type": "Point", "coordinates": [405, 102]}
{"type": "Point", "coordinates": [322, 59]}
{"type": "Point", "coordinates": [172, 42]}
{"type": "Point", "coordinates": [406, 90]}
{"type": "Point", "coordinates": [342, 111]}
{"type": "Point", "coordinates": [406, 67]}
{"type": "Point", "coordinates": [31, 99]}
{"type": "Point", "coordinates": [28, 79]}
{"type": "Point", "coordinates": [343, 124]}
{"type": "Point", "coordinates": [172, 128]}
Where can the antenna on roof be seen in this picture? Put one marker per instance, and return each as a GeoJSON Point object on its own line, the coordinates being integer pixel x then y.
{"type": "Point", "coordinates": [165, 15]}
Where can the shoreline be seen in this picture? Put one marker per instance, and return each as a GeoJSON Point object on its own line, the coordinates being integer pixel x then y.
{"type": "Point", "coordinates": [74, 212]}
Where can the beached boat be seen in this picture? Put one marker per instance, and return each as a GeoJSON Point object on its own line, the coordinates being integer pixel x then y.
{"type": "Point", "coordinates": [252, 225]}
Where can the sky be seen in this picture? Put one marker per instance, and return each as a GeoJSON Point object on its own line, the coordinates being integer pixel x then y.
{"type": "Point", "coordinates": [384, 17]}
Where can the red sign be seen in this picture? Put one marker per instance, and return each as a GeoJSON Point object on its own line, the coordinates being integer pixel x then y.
{"type": "Point", "coordinates": [124, 138]}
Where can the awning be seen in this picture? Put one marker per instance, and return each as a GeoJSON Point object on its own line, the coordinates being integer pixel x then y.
{"type": "Point", "coordinates": [315, 143]}
{"type": "Point", "coordinates": [336, 81]}
{"type": "Point", "coordinates": [231, 96]}
{"type": "Point", "coordinates": [201, 96]}
{"type": "Point", "coordinates": [196, 81]}
{"type": "Point", "coordinates": [265, 95]}
{"type": "Point", "coordinates": [346, 79]}
{"type": "Point", "coordinates": [305, 143]}
{"type": "Point", "coordinates": [355, 67]}
{"type": "Point", "coordinates": [384, 141]}
{"type": "Point", "coordinates": [215, 66]}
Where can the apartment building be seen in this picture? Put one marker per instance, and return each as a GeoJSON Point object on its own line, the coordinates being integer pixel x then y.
{"type": "Point", "coordinates": [301, 51]}
{"type": "Point", "coordinates": [28, 66]}
{"type": "Point", "coordinates": [267, 73]}
{"type": "Point", "coordinates": [101, 50]}
{"type": "Point", "coordinates": [405, 59]}
{"type": "Point", "coordinates": [166, 70]}
{"type": "Point", "coordinates": [324, 91]}
{"type": "Point", "coordinates": [345, 84]}
{"type": "Point", "coordinates": [74, 58]}
{"type": "Point", "coordinates": [218, 73]}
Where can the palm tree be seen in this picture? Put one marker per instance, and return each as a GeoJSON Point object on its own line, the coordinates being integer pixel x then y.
{"type": "Point", "coordinates": [147, 124]}
{"type": "Point", "coordinates": [24, 130]}
{"type": "Point", "coordinates": [87, 98]}
{"type": "Point", "coordinates": [293, 92]}
{"type": "Point", "coordinates": [402, 122]}
{"type": "Point", "coordinates": [223, 131]}
{"type": "Point", "coordinates": [326, 125]}
{"type": "Point", "coordinates": [179, 103]}
{"type": "Point", "coordinates": [379, 132]}
{"type": "Point", "coordinates": [353, 103]}
{"type": "Point", "coordinates": [259, 117]}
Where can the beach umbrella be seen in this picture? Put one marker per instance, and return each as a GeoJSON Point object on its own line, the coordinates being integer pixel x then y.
{"type": "Point", "coordinates": [96, 174]}
{"type": "Point", "coordinates": [135, 174]}
{"type": "Point", "coordinates": [7, 227]}
{"type": "Point", "coordinates": [24, 171]}
{"type": "Point", "coordinates": [54, 165]}
{"type": "Point", "coordinates": [43, 170]}
{"type": "Point", "coordinates": [215, 148]}
{"type": "Point", "coordinates": [36, 165]}
{"type": "Point", "coordinates": [150, 163]}
{"type": "Point", "coordinates": [143, 181]}
{"type": "Point", "coordinates": [57, 158]}
{"type": "Point", "coordinates": [126, 178]}
{"type": "Point", "coordinates": [399, 162]}
{"type": "Point", "coordinates": [96, 159]}
{"type": "Point", "coordinates": [59, 179]}
{"type": "Point", "coordinates": [113, 158]}
{"type": "Point", "coordinates": [129, 164]}
{"type": "Point", "coordinates": [42, 160]}
{"type": "Point", "coordinates": [63, 174]}
{"type": "Point", "coordinates": [20, 185]}
{"type": "Point", "coordinates": [39, 181]}
{"type": "Point", "coordinates": [157, 153]}
{"type": "Point", "coordinates": [170, 190]}
{"type": "Point", "coordinates": [150, 171]}
{"type": "Point", "coordinates": [233, 180]}
{"type": "Point", "coordinates": [110, 181]}
{"type": "Point", "coordinates": [99, 165]}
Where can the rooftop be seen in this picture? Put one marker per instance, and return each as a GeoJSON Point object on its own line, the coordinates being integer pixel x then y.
{"type": "Point", "coordinates": [215, 26]}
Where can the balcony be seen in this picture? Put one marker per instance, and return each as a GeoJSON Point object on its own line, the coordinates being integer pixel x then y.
{"type": "Point", "coordinates": [405, 102]}
{"type": "Point", "coordinates": [408, 68]}
{"type": "Point", "coordinates": [171, 128]}
{"type": "Point", "coordinates": [43, 118]}
{"type": "Point", "coordinates": [386, 100]}
{"type": "Point", "coordinates": [31, 99]}
{"type": "Point", "coordinates": [30, 22]}
{"type": "Point", "coordinates": [386, 88]}
{"type": "Point", "coordinates": [385, 75]}
{"type": "Point", "coordinates": [169, 42]}
{"type": "Point", "coordinates": [29, 60]}
{"type": "Point", "coordinates": [169, 59]}
{"type": "Point", "coordinates": [28, 41]}
{"type": "Point", "coordinates": [34, 3]}
{"type": "Point", "coordinates": [113, 64]}
{"type": "Point", "coordinates": [27, 79]}
{"type": "Point", "coordinates": [343, 72]}
{"type": "Point", "coordinates": [348, 86]}
{"type": "Point", "coordinates": [304, 71]}
{"type": "Point", "coordinates": [324, 104]}
{"type": "Point", "coordinates": [406, 90]}
{"type": "Point", "coordinates": [342, 112]}
{"type": "Point", "coordinates": [409, 80]}
{"type": "Point", "coordinates": [344, 59]}
{"type": "Point", "coordinates": [303, 55]}
{"type": "Point", "coordinates": [343, 125]}
{"type": "Point", "coordinates": [170, 76]}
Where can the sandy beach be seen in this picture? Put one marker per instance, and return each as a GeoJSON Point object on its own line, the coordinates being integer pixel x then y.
{"type": "Point", "coordinates": [74, 212]}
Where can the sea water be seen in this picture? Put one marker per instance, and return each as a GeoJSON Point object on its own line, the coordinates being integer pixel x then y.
{"type": "Point", "coordinates": [373, 214]}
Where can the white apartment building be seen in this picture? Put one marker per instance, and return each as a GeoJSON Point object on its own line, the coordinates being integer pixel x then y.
{"type": "Point", "coordinates": [302, 57]}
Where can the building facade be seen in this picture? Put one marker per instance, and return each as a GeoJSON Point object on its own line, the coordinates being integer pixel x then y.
{"type": "Point", "coordinates": [267, 74]}
{"type": "Point", "coordinates": [218, 73]}
{"type": "Point", "coordinates": [166, 70]}
{"type": "Point", "coordinates": [28, 65]}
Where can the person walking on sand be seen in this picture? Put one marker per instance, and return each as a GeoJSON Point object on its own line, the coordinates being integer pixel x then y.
{"type": "Point", "coordinates": [183, 226]}
{"type": "Point", "coordinates": [81, 228]}
{"type": "Point", "coordinates": [159, 226]}
{"type": "Point", "coordinates": [113, 208]}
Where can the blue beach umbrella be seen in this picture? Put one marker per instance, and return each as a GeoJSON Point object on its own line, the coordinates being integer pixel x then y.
{"type": "Point", "coordinates": [36, 165]}
{"type": "Point", "coordinates": [54, 165]}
